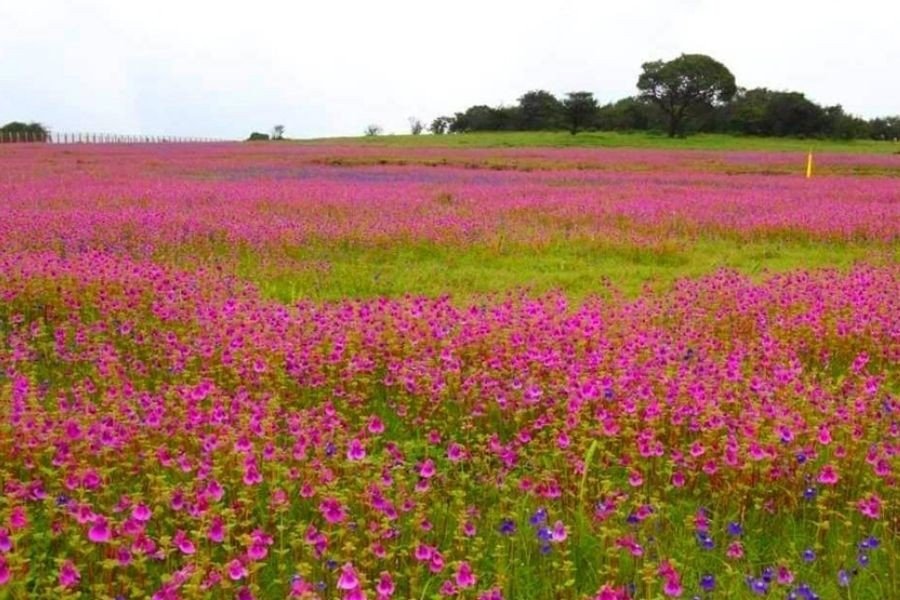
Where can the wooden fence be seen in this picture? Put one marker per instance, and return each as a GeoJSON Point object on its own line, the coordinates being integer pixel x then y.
{"type": "Point", "coordinates": [7, 137]}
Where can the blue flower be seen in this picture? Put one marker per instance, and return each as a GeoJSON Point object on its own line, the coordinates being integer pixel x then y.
{"type": "Point", "coordinates": [545, 534]}
{"type": "Point", "coordinates": [507, 527]}
{"type": "Point", "coordinates": [768, 574]}
{"type": "Point", "coordinates": [539, 517]}
{"type": "Point", "coordinates": [758, 586]}
{"type": "Point", "coordinates": [801, 457]}
{"type": "Point", "coordinates": [735, 529]}
{"type": "Point", "coordinates": [708, 582]}
{"type": "Point", "coordinates": [809, 493]}
{"type": "Point", "coordinates": [843, 578]}
{"type": "Point", "coordinates": [809, 555]}
{"type": "Point", "coordinates": [863, 559]}
{"type": "Point", "coordinates": [705, 541]}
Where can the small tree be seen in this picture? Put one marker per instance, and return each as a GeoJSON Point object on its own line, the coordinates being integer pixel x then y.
{"type": "Point", "coordinates": [416, 126]}
{"type": "Point", "coordinates": [441, 125]}
{"type": "Point", "coordinates": [685, 85]}
{"type": "Point", "coordinates": [373, 130]}
{"type": "Point", "coordinates": [580, 108]}
{"type": "Point", "coordinates": [278, 132]}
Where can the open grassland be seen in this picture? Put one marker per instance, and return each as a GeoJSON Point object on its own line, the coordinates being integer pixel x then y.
{"type": "Point", "coordinates": [612, 139]}
{"type": "Point", "coordinates": [366, 371]}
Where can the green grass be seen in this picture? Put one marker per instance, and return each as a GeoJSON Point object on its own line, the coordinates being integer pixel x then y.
{"type": "Point", "coordinates": [617, 140]}
{"type": "Point", "coordinates": [329, 272]}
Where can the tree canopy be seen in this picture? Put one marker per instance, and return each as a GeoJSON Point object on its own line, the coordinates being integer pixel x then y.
{"type": "Point", "coordinates": [685, 84]}
{"type": "Point", "coordinates": [19, 131]}
{"type": "Point", "coordinates": [691, 93]}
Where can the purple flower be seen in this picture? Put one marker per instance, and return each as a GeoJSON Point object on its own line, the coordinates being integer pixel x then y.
{"type": "Point", "coordinates": [507, 527]}
{"type": "Point", "coordinates": [843, 578]}
{"type": "Point", "coordinates": [735, 529]}
{"type": "Point", "coordinates": [539, 517]}
{"type": "Point", "coordinates": [758, 586]}
{"type": "Point", "coordinates": [705, 540]}
{"type": "Point", "coordinates": [708, 582]}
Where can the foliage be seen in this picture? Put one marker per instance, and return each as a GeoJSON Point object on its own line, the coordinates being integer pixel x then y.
{"type": "Point", "coordinates": [441, 125]}
{"type": "Point", "coordinates": [416, 126]}
{"type": "Point", "coordinates": [580, 110]}
{"type": "Point", "coordinates": [18, 131]}
{"type": "Point", "coordinates": [540, 110]}
{"type": "Point", "coordinates": [684, 85]}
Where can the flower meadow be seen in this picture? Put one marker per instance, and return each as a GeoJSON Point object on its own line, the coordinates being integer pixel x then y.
{"type": "Point", "coordinates": [170, 430]}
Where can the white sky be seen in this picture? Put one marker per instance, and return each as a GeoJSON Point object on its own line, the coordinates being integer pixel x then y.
{"type": "Point", "coordinates": [221, 69]}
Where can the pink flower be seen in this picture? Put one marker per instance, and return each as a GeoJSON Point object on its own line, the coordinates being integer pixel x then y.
{"type": "Point", "coordinates": [455, 452]}
{"type": "Point", "coordinates": [18, 519]}
{"type": "Point", "coordinates": [427, 469]}
{"type": "Point", "coordinates": [423, 552]}
{"type": "Point", "coordinates": [356, 451]}
{"type": "Point", "coordinates": [348, 579]}
{"type": "Point", "coordinates": [375, 426]}
{"type": "Point", "coordinates": [735, 550]}
{"type": "Point", "coordinates": [629, 543]}
{"type": "Point", "coordinates": [257, 551]}
{"type": "Point", "coordinates": [182, 542]}
{"type": "Point", "coordinates": [244, 594]}
{"type": "Point", "coordinates": [785, 577]}
{"type": "Point", "coordinates": [4, 570]}
{"type": "Point", "coordinates": [465, 578]}
{"type": "Point", "coordinates": [99, 533]}
{"type": "Point", "coordinates": [385, 587]}
{"type": "Point", "coordinates": [559, 533]}
{"type": "Point", "coordinates": [332, 510]}
{"type": "Point", "coordinates": [141, 513]}
{"type": "Point", "coordinates": [607, 592]}
{"type": "Point", "coordinates": [216, 530]}
{"type": "Point", "coordinates": [672, 587]}
{"type": "Point", "coordinates": [5, 541]}
{"type": "Point", "coordinates": [236, 570]}
{"type": "Point", "coordinates": [635, 479]}
{"type": "Point", "coordinates": [436, 565]}
{"type": "Point", "coordinates": [68, 575]}
{"type": "Point", "coordinates": [828, 475]}
{"type": "Point", "coordinates": [870, 506]}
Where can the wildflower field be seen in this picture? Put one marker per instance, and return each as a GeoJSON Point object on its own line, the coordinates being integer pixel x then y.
{"type": "Point", "coordinates": [361, 371]}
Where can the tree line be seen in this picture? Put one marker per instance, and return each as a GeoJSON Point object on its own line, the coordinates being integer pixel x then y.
{"type": "Point", "coordinates": [692, 93]}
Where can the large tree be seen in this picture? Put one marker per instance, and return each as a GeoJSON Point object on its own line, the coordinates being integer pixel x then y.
{"type": "Point", "coordinates": [24, 132]}
{"type": "Point", "coordinates": [539, 109]}
{"type": "Point", "coordinates": [580, 109]}
{"type": "Point", "coordinates": [684, 86]}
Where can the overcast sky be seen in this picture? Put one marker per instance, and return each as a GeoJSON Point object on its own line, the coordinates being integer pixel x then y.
{"type": "Point", "coordinates": [221, 69]}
